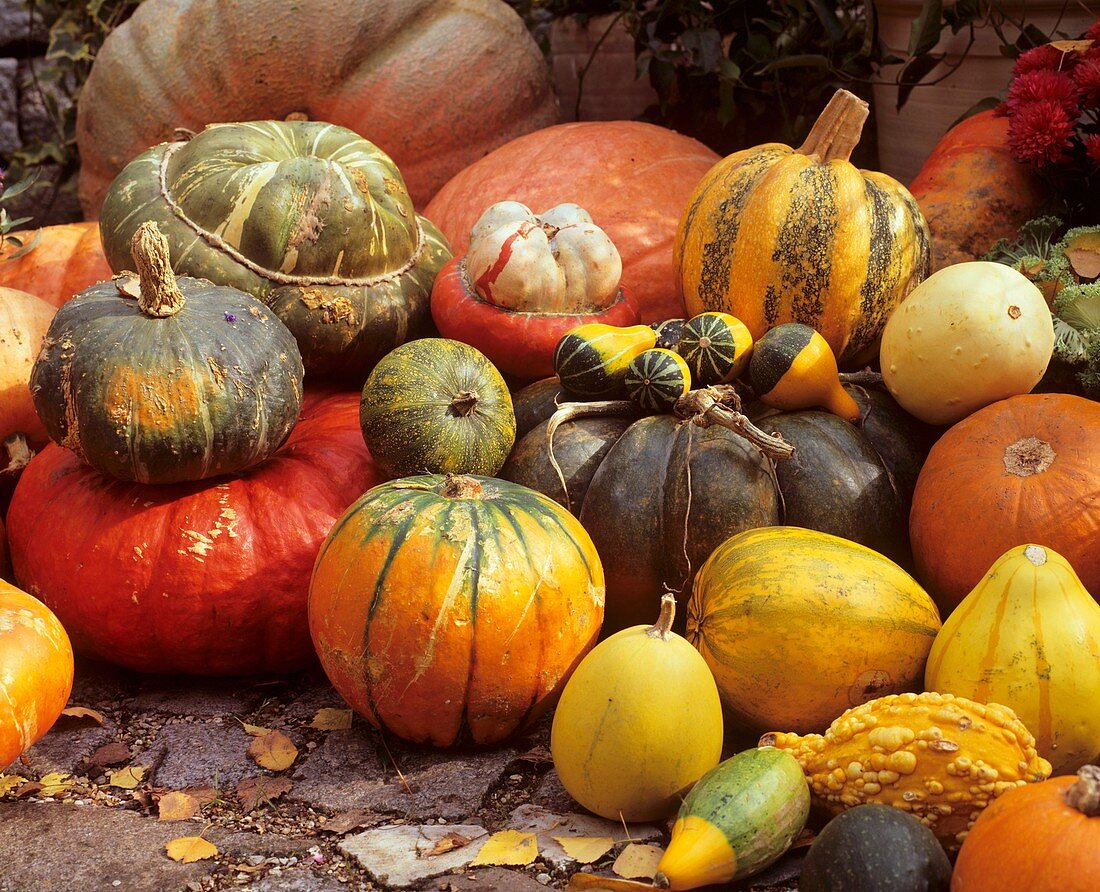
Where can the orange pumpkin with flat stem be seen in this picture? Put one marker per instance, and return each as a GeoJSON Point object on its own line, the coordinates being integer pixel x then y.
{"type": "Point", "coordinates": [64, 261]}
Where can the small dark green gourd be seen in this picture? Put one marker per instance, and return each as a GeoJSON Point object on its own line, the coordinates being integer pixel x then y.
{"type": "Point", "coordinates": [656, 378]}
{"type": "Point", "coordinates": [716, 348]}
{"type": "Point", "coordinates": [591, 360]}
{"type": "Point", "coordinates": [669, 332]}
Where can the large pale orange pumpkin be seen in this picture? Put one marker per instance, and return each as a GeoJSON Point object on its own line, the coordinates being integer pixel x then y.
{"type": "Point", "coordinates": [633, 178]}
{"type": "Point", "coordinates": [64, 261]}
{"type": "Point", "coordinates": [24, 320]}
{"type": "Point", "coordinates": [433, 83]}
{"type": "Point", "coordinates": [973, 192]}
{"type": "Point", "coordinates": [36, 671]}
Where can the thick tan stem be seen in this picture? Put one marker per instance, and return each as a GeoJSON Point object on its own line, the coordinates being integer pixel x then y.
{"type": "Point", "coordinates": [663, 627]}
{"type": "Point", "coordinates": [838, 128]}
{"type": "Point", "coordinates": [160, 296]}
{"type": "Point", "coordinates": [721, 405]}
{"type": "Point", "coordinates": [862, 378]}
{"type": "Point", "coordinates": [459, 486]}
{"type": "Point", "coordinates": [1084, 793]}
{"type": "Point", "coordinates": [19, 454]}
{"type": "Point", "coordinates": [465, 402]}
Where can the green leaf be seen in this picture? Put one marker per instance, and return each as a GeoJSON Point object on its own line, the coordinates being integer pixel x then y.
{"type": "Point", "coordinates": [924, 33]}
{"type": "Point", "coordinates": [27, 248]}
{"type": "Point", "coordinates": [980, 106]}
{"type": "Point", "coordinates": [20, 187]}
{"type": "Point", "coordinates": [804, 60]}
{"type": "Point", "coordinates": [913, 73]}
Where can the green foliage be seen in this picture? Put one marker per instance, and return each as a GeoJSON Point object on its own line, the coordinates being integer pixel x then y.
{"type": "Point", "coordinates": [7, 223]}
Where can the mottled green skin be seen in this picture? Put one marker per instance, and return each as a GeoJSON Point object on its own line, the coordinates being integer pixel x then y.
{"type": "Point", "coordinates": [760, 801]}
{"type": "Point", "coordinates": [669, 332]}
{"type": "Point", "coordinates": [535, 403]}
{"type": "Point", "coordinates": [323, 216]}
{"type": "Point", "coordinates": [166, 400]}
{"type": "Point", "coordinates": [774, 354]}
{"type": "Point", "coordinates": [875, 848]}
{"type": "Point", "coordinates": [409, 419]}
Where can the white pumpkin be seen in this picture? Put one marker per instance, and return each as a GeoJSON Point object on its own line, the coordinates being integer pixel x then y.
{"type": "Point", "coordinates": [967, 336]}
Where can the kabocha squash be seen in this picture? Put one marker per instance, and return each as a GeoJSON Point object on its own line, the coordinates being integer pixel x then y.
{"type": "Point", "coordinates": [792, 367]}
{"type": "Point", "coordinates": [875, 848]}
{"type": "Point", "coordinates": [36, 671]}
{"type": "Point", "coordinates": [453, 609]}
{"type": "Point", "coordinates": [797, 626]}
{"type": "Point", "coordinates": [63, 261]}
{"type": "Point", "coordinates": [439, 407]}
{"type": "Point", "coordinates": [716, 348]}
{"type": "Point", "coordinates": [774, 234]}
{"type": "Point", "coordinates": [1028, 636]}
{"type": "Point", "coordinates": [939, 757]}
{"type": "Point", "coordinates": [591, 360]}
{"type": "Point", "coordinates": [1041, 837]}
{"type": "Point", "coordinates": [196, 578]}
{"type": "Point", "coordinates": [968, 335]}
{"type": "Point", "coordinates": [308, 217]}
{"type": "Point", "coordinates": [657, 378]}
{"type": "Point", "coordinates": [186, 382]}
{"type": "Point", "coordinates": [633, 178]}
{"type": "Point", "coordinates": [1021, 470]}
{"type": "Point", "coordinates": [638, 723]}
{"type": "Point", "coordinates": [740, 817]}
{"type": "Point", "coordinates": [24, 321]}
{"type": "Point", "coordinates": [436, 83]}
{"type": "Point", "coordinates": [526, 281]}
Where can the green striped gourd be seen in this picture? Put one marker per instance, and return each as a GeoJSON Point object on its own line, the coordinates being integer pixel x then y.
{"type": "Point", "coordinates": [716, 348]}
{"type": "Point", "coordinates": [591, 360]}
{"type": "Point", "coordinates": [656, 378]}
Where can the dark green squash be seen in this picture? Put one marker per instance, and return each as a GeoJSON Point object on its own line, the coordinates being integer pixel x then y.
{"type": "Point", "coordinates": [535, 403]}
{"type": "Point", "coordinates": [716, 348]}
{"type": "Point", "coordinates": [669, 332]}
{"type": "Point", "coordinates": [875, 848]}
{"type": "Point", "coordinates": [187, 381]}
{"type": "Point", "coordinates": [437, 406]}
{"type": "Point", "coordinates": [657, 378]}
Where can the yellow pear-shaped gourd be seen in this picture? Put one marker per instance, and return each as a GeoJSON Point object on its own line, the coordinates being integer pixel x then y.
{"type": "Point", "coordinates": [793, 367]}
{"type": "Point", "coordinates": [1028, 636]}
{"type": "Point", "coordinates": [639, 722]}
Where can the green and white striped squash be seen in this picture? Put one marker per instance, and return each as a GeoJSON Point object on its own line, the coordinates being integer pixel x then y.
{"type": "Point", "coordinates": [309, 217]}
{"type": "Point", "coordinates": [716, 348]}
{"type": "Point", "coordinates": [657, 378]}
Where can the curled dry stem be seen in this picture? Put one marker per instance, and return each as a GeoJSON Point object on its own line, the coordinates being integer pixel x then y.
{"type": "Point", "coordinates": [722, 406]}
{"type": "Point", "coordinates": [572, 411]}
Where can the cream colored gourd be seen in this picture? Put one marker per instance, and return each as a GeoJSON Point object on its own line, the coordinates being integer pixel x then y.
{"type": "Point", "coordinates": [558, 261]}
{"type": "Point", "coordinates": [24, 321]}
{"type": "Point", "coordinates": [1028, 636]}
{"type": "Point", "coordinates": [638, 723]}
{"type": "Point", "coordinates": [967, 336]}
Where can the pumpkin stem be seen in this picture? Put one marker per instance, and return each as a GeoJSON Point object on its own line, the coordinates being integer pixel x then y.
{"type": "Point", "coordinates": [570, 411]}
{"type": "Point", "coordinates": [19, 454]}
{"type": "Point", "coordinates": [459, 486]}
{"type": "Point", "coordinates": [663, 627]}
{"type": "Point", "coordinates": [862, 378]}
{"type": "Point", "coordinates": [1029, 456]}
{"type": "Point", "coordinates": [160, 296]}
{"type": "Point", "coordinates": [1084, 793]}
{"type": "Point", "coordinates": [465, 402]}
{"type": "Point", "coordinates": [708, 405]}
{"type": "Point", "coordinates": [837, 130]}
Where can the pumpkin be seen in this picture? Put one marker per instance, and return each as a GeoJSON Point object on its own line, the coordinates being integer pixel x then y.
{"type": "Point", "coordinates": [186, 382]}
{"type": "Point", "coordinates": [1028, 636]}
{"type": "Point", "coordinates": [526, 281]}
{"type": "Point", "coordinates": [435, 83]}
{"type": "Point", "coordinates": [968, 335]}
{"type": "Point", "coordinates": [63, 261]}
{"type": "Point", "coordinates": [792, 367]}
{"type": "Point", "coordinates": [1041, 837]}
{"type": "Point", "coordinates": [591, 360]}
{"type": "Point", "coordinates": [204, 578]}
{"type": "Point", "coordinates": [740, 817]}
{"type": "Point", "coordinates": [798, 626]}
{"type": "Point", "coordinates": [638, 723]}
{"type": "Point", "coordinates": [939, 757]}
{"type": "Point", "coordinates": [633, 178]}
{"type": "Point", "coordinates": [669, 332]}
{"type": "Point", "coordinates": [1021, 470]}
{"type": "Point", "coordinates": [453, 609]}
{"type": "Point", "coordinates": [5, 562]}
{"type": "Point", "coordinates": [830, 246]}
{"type": "Point", "coordinates": [657, 378]}
{"type": "Point", "coordinates": [716, 348]}
{"type": "Point", "coordinates": [439, 407]}
{"type": "Point", "coordinates": [24, 321]}
{"type": "Point", "coordinates": [36, 671]}
{"type": "Point", "coordinates": [308, 217]}
{"type": "Point", "coordinates": [973, 192]}
{"type": "Point", "coordinates": [874, 847]}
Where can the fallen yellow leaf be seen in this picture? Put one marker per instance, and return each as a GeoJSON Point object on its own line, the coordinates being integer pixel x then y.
{"type": "Point", "coordinates": [508, 847]}
{"type": "Point", "coordinates": [187, 849]}
{"type": "Point", "coordinates": [176, 806]}
{"type": "Point", "coordinates": [585, 849]}
{"type": "Point", "coordinates": [10, 782]}
{"type": "Point", "coordinates": [55, 783]}
{"type": "Point", "coordinates": [127, 778]}
{"type": "Point", "coordinates": [582, 882]}
{"type": "Point", "coordinates": [329, 719]}
{"type": "Point", "coordinates": [255, 730]}
{"type": "Point", "coordinates": [638, 861]}
{"type": "Point", "coordinates": [253, 790]}
{"type": "Point", "coordinates": [83, 712]}
{"type": "Point", "coordinates": [274, 751]}
{"type": "Point", "coordinates": [1070, 46]}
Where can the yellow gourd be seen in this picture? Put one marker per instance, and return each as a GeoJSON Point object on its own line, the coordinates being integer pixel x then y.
{"type": "Point", "coordinates": [592, 359]}
{"type": "Point", "coordinates": [940, 757]}
{"type": "Point", "coordinates": [793, 367]}
{"type": "Point", "coordinates": [639, 722]}
{"type": "Point", "coordinates": [1028, 636]}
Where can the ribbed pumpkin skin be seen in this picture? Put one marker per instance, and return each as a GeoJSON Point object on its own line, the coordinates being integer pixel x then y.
{"type": "Point", "coordinates": [65, 260]}
{"type": "Point", "coordinates": [167, 400]}
{"type": "Point", "coordinates": [36, 671]}
{"type": "Point", "coordinates": [436, 83]}
{"type": "Point", "coordinates": [24, 321]}
{"type": "Point", "coordinates": [798, 626]}
{"type": "Point", "coordinates": [450, 615]}
{"type": "Point", "coordinates": [773, 236]}
{"type": "Point", "coordinates": [197, 578]}
{"type": "Point", "coordinates": [308, 217]}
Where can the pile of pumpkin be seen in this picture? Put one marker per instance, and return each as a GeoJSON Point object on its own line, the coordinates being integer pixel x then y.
{"type": "Point", "coordinates": [452, 549]}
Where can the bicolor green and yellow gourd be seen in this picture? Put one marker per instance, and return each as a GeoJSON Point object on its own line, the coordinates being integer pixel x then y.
{"type": "Point", "coordinates": [656, 378]}
{"type": "Point", "coordinates": [591, 360]}
{"type": "Point", "coordinates": [716, 348]}
{"type": "Point", "coordinates": [792, 367]}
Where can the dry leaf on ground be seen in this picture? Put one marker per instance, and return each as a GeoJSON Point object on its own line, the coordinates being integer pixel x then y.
{"type": "Point", "coordinates": [255, 730]}
{"type": "Point", "coordinates": [329, 719]}
{"type": "Point", "coordinates": [9, 782]}
{"type": "Point", "coordinates": [582, 882]}
{"type": "Point", "coordinates": [30, 788]}
{"type": "Point", "coordinates": [585, 849]}
{"type": "Point", "coordinates": [252, 791]}
{"type": "Point", "coordinates": [177, 806]}
{"type": "Point", "coordinates": [55, 784]}
{"type": "Point", "coordinates": [450, 842]}
{"type": "Point", "coordinates": [274, 751]}
{"type": "Point", "coordinates": [188, 849]}
{"type": "Point", "coordinates": [83, 712]}
{"type": "Point", "coordinates": [109, 754]}
{"type": "Point", "coordinates": [638, 861]}
{"type": "Point", "coordinates": [127, 778]}
{"type": "Point", "coordinates": [203, 794]}
{"type": "Point", "coordinates": [347, 821]}
{"type": "Point", "coordinates": [507, 848]}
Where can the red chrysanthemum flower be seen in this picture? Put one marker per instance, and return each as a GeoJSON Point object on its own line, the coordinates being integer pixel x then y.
{"type": "Point", "coordinates": [1093, 32]}
{"type": "Point", "coordinates": [1040, 132]}
{"type": "Point", "coordinates": [1035, 86]}
{"type": "Point", "coordinates": [1040, 58]}
{"type": "Point", "coordinates": [1086, 76]}
{"type": "Point", "coordinates": [1092, 147]}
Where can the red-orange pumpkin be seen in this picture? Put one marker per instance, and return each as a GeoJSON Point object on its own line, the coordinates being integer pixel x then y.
{"type": "Point", "coordinates": [206, 578]}
{"type": "Point", "coordinates": [633, 178]}
{"type": "Point", "coordinates": [5, 564]}
{"type": "Point", "coordinates": [1021, 470]}
{"type": "Point", "coordinates": [65, 260]}
{"type": "Point", "coordinates": [36, 671]}
{"type": "Point", "coordinates": [973, 192]}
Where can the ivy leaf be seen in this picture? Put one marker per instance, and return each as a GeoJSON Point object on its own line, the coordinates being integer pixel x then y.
{"type": "Point", "coordinates": [802, 60]}
{"type": "Point", "coordinates": [913, 73]}
{"type": "Point", "coordinates": [924, 33]}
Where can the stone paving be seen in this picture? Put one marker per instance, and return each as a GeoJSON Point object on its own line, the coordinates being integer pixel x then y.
{"type": "Point", "coordinates": [354, 810]}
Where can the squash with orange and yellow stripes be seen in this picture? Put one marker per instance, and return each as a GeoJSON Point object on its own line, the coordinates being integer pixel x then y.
{"type": "Point", "coordinates": [774, 234]}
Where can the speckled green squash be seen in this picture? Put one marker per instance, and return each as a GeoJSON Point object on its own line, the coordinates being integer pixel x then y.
{"type": "Point", "coordinates": [668, 332]}
{"type": "Point", "coordinates": [437, 406]}
{"type": "Point", "coordinates": [657, 378]}
{"type": "Point", "coordinates": [591, 360]}
{"type": "Point", "coordinates": [309, 217]}
{"type": "Point", "coordinates": [716, 348]}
